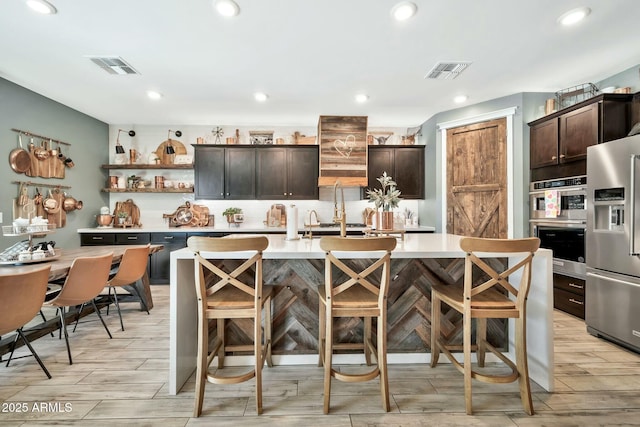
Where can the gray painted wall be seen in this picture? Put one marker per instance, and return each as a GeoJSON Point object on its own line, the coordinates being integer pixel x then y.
{"type": "Point", "coordinates": [23, 109]}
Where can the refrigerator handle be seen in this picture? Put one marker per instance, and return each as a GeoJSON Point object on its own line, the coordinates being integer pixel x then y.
{"type": "Point", "coordinates": [632, 207]}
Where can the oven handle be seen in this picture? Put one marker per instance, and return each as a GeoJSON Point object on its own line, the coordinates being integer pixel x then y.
{"type": "Point", "coordinates": [556, 223]}
{"type": "Point", "coordinates": [563, 190]}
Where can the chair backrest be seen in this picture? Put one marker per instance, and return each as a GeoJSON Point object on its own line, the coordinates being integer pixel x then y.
{"type": "Point", "coordinates": [248, 249]}
{"type": "Point", "coordinates": [524, 248]}
{"type": "Point", "coordinates": [21, 297]}
{"type": "Point", "coordinates": [338, 248]}
{"type": "Point", "coordinates": [87, 277]}
{"type": "Point", "coordinates": [132, 266]}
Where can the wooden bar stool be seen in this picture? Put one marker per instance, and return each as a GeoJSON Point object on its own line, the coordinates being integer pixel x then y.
{"type": "Point", "coordinates": [495, 298]}
{"type": "Point", "coordinates": [230, 295]}
{"type": "Point", "coordinates": [356, 295]}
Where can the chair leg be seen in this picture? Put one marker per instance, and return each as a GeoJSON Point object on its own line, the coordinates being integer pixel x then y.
{"type": "Point", "coordinates": [78, 316]}
{"type": "Point", "coordinates": [13, 348]}
{"type": "Point", "coordinates": [435, 328]}
{"type": "Point", "coordinates": [100, 316]}
{"type": "Point", "coordinates": [522, 364]}
{"type": "Point", "coordinates": [115, 301]}
{"type": "Point", "coordinates": [44, 319]}
{"type": "Point", "coordinates": [221, 350]}
{"type": "Point", "coordinates": [481, 339]}
{"type": "Point", "coordinates": [26, 341]}
{"type": "Point", "coordinates": [321, 330]}
{"type": "Point", "coordinates": [267, 331]}
{"type": "Point", "coordinates": [201, 362]}
{"type": "Point", "coordinates": [258, 361]}
{"type": "Point", "coordinates": [63, 327]}
{"type": "Point", "coordinates": [366, 337]}
{"type": "Point", "coordinates": [382, 361]}
{"type": "Point", "coordinates": [328, 352]}
{"type": "Point", "coordinates": [467, 361]}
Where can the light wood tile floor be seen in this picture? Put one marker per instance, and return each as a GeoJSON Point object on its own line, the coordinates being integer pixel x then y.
{"type": "Point", "coordinates": [123, 382]}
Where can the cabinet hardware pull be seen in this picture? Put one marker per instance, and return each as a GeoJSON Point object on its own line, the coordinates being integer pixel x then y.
{"type": "Point", "coordinates": [222, 194]}
{"type": "Point", "coordinates": [562, 156]}
{"type": "Point", "coordinates": [554, 158]}
{"type": "Point", "coordinates": [573, 285]}
{"type": "Point", "coordinates": [576, 301]}
{"type": "Point", "coordinates": [132, 237]}
{"type": "Point", "coordinates": [168, 237]}
{"type": "Point", "coordinates": [97, 238]}
{"type": "Point", "coordinates": [284, 194]}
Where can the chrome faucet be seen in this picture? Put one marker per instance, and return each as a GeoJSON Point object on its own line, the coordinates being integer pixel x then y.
{"type": "Point", "coordinates": [310, 233]}
{"type": "Point", "coordinates": [342, 218]}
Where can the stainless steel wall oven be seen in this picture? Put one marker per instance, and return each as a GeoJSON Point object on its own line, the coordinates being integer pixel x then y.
{"type": "Point", "coordinates": [563, 232]}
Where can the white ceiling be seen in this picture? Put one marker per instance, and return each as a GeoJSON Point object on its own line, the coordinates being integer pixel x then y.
{"type": "Point", "coordinates": [310, 56]}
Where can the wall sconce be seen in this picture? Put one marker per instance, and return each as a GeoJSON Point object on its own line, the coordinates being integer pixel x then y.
{"type": "Point", "coordinates": [169, 148]}
{"type": "Point", "coordinates": [120, 148]}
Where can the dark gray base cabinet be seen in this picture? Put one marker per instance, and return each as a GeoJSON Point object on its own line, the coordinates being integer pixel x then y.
{"type": "Point", "coordinates": [569, 295]}
{"type": "Point", "coordinates": [158, 268]}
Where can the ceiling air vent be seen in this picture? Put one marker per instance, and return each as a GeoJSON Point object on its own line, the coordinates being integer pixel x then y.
{"type": "Point", "coordinates": [447, 70]}
{"type": "Point", "coordinates": [113, 65]}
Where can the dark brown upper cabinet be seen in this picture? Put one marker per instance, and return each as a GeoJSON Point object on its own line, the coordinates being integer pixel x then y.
{"type": "Point", "coordinates": [287, 172]}
{"type": "Point", "coordinates": [225, 172]}
{"type": "Point", "coordinates": [559, 141]}
{"type": "Point", "coordinates": [405, 163]}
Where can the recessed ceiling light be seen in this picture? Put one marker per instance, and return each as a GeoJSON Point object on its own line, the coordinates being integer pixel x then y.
{"type": "Point", "coordinates": [574, 16]}
{"type": "Point", "coordinates": [460, 99]}
{"type": "Point", "coordinates": [152, 94]}
{"type": "Point", "coordinates": [260, 97]}
{"type": "Point", "coordinates": [361, 97]}
{"type": "Point", "coordinates": [42, 6]}
{"type": "Point", "coordinates": [403, 10]}
{"type": "Point", "coordinates": [227, 8]}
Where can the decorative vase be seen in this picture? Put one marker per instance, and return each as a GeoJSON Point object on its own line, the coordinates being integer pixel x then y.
{"type": "Point", "coordinates": [385, 220]}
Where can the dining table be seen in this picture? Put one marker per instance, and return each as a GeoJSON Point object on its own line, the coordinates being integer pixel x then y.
{"type": "Point", "coordinates": [60, 265]}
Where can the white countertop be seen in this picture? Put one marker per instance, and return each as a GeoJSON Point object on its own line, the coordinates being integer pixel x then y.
{"type": "Point", "coordinates": [226, 229]}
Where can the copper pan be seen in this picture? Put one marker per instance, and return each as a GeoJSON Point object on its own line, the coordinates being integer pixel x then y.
{"type": "Point", "coordinates": [19, 158]}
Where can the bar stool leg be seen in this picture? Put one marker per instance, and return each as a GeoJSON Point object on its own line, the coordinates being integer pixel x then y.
{"type": "Point", "coordinates": [328, 352]}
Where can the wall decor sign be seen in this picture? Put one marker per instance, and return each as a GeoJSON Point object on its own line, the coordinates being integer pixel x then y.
{"type": "Point", "coordinates": [343, 150]}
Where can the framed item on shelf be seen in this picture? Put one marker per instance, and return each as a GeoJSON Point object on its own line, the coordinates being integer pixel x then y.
{"type": "Point", "coordinates": [261, 137]}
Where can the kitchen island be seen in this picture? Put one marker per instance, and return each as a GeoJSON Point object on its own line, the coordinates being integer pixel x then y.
{"type": "Point", "coordinates": [295, 268]}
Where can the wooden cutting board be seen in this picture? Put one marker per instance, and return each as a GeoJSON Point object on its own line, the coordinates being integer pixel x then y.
{"type": "Point", "coordinates": [167, 159]}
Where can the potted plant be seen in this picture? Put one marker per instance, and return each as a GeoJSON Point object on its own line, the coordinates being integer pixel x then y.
{"type": "Point", "coordinates": [386, 198]}
{"type": "Point", "coordinates": [230, 213]}
{"type": "Point", "coordinates": [122, 217]}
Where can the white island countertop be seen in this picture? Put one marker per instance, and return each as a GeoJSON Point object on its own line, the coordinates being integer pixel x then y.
{"type": "Point", "coordinates": [183, 319]}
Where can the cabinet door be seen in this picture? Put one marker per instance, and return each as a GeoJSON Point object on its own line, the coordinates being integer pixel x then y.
{"type": "Point", "coordinates": [209, 172]}
{"type": "Point", "coordinates": [408, 171]}
{"type": "Point", "coordinates": [302, 171]}
{"type": "Point", "coordinates": [544, 144]}
{"type": "Point", "coordinates": [380, 160]}
{"type": "Point", "coordinates": [159, 264]}
{"type": "Point", "coordinates": [240, 173]}
{"type": "Point", "coordinates": [578, 130]}
{"type": "Point", "coordinates": [271, 173]}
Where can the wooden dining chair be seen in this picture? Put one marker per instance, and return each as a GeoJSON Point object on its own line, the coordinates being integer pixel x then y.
{"type": "Point", "coordinates": [21, 297]}
{"type": "Point", "coordinates": [352, 293]}
{"type": "Point", "coordinates": [227, 288]}
{"type": "Point", "coordinates": [493, 298]}
{"type": "Point", "coordinates": [87, 277]}
{"type": "Point", "coordinates": [133, 267]}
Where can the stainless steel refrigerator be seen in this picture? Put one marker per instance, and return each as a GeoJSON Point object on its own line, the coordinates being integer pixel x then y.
{"type": "Point", "coordinates": [613, 241]}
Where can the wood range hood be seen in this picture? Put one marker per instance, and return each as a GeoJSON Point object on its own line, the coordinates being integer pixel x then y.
{"type": "Point", "coordinates": [343, 150]}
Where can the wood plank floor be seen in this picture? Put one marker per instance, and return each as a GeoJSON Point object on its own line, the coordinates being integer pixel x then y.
{"type": "Point", "coordinates": [123, 381]}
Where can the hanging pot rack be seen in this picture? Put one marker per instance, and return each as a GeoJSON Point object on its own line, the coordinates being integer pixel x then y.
{"type": "Point", "coordinates": [28, 133]}
{"type": "Point", "coordinates": [37, 184]}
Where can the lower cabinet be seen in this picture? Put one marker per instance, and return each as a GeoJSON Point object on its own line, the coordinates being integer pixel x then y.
{"type": "Point", "coordinates": [159, 263]}
{"type": "Point", "coordinates": [568, 295]}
